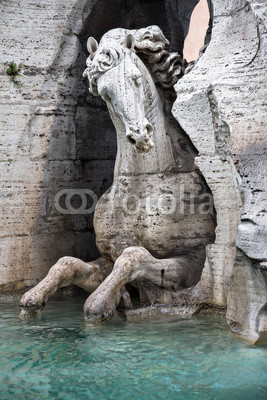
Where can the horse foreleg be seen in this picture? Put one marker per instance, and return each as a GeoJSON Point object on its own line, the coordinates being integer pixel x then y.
{"type": "Point", "coordinates": [133, 264]}
{"type": "Point", "coordinates": [67, 271]}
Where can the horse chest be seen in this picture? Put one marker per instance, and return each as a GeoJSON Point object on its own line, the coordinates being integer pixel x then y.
{"type": "Point", "coordinates": [162, 212]}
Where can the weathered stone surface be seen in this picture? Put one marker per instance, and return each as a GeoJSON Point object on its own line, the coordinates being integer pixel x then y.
{"type": "Point", "coordinates": [31, 251]}
{"type": "Point", "coordinates": [153, 223]}
{"type": "Point", "coordinates": [40, 141]}
{"type": "Point", "coordinates": [246, 303]}
{"type": "Point", "coordinates": [221, 104]}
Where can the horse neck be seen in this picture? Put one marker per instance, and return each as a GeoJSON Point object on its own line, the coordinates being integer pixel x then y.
{"type": "Point", "coordinates": [160, 158]}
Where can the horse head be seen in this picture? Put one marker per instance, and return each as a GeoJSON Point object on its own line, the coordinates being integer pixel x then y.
{"type": "Point", "coordinates": [117, 75]}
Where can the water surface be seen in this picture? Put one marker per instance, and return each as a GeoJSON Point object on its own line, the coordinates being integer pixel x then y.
{"type": "Point", "coordinates": [59, 356]}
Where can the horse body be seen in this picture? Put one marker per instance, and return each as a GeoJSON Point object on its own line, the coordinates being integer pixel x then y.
{"type": "Point", "coordinates": [146, 204]}
{"type": "Point", "coordinates": [151, 225]}
{"type": "Point", "coordinates": [146, 210]}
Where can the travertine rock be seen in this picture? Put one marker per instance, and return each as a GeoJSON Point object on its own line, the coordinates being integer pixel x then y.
{"type": "Point", "coordinates": [221, 104]}
{"type": "Point", "coordinates": [42, 138]}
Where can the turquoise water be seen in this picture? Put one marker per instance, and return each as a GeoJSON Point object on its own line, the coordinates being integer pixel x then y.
{"type": "Point", "coordinates": [59, 356]}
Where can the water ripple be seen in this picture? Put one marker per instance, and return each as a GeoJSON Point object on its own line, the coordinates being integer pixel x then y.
{"type": "Point", "coordinates": [59, 356]}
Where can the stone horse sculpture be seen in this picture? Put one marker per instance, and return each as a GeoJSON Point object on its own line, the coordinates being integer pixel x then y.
{"type": "Point", "coordinates": [151, 225]}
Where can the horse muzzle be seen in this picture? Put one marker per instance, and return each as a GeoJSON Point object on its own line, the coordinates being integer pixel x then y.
{"type": "Point", "coordinates": [141, 139]}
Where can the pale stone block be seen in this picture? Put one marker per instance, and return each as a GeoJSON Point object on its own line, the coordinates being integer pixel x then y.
{"type": "Point", "coordinates": [217, 272]}
{"type": "Point", "coordinates": [54, 136]}
{"type": "Point", "coordinates": [233, 70]}
{"type": "Point", "coordinates": [14, 141]}
{"type": "Point", "coordinates": [226, 7]}
{"type": "Point", "coordinates": [189, 108]}
{"type": "Point", "coordinates": [247, 297]}
{"type": "Point", "coordinates": [38, 252]}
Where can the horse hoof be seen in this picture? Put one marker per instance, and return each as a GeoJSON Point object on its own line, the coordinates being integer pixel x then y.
{"type": "Point", "coordinates": [32, 301]}
{"type": "Point", "coordinates": [26, 313]}
{"type": "Point", "coordinates": [95, 318]}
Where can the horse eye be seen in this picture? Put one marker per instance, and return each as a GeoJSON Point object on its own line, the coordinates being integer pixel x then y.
{"type": "Point", "coordinates": [138, 81]}
{"type": "Point", "coordinates": [107, 54]}
{"type": "Point", "coordinates": [106, 97]}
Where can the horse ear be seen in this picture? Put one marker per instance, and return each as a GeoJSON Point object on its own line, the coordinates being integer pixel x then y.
{"type": "Point", "coordinates": [92, 45]}
{"type": "Point", "coordinates": [129, 42]}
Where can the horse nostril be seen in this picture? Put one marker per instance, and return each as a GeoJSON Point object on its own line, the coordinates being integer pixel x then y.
{"type": "Point", "coordinates": [149, 129]}
{"type": "Point", "coordinates": [131, 139]}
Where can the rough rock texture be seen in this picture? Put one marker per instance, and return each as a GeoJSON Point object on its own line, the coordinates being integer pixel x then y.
{"type": "Point", "coordinates": [54, 134]}
{"type": "Point", "coordinates": [221, 104]}
{"type": "Point", "coordinates": [47, 131]}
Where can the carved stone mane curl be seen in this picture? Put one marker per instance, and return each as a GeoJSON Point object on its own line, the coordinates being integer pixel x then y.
{"type": "Point", "coordinates": [150, 45]}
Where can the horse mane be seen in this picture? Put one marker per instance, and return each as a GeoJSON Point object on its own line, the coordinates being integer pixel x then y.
{"type": "Point", "coordinates": [150, 45]}
{"type": "Point", "coordinates": [165, 67]}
